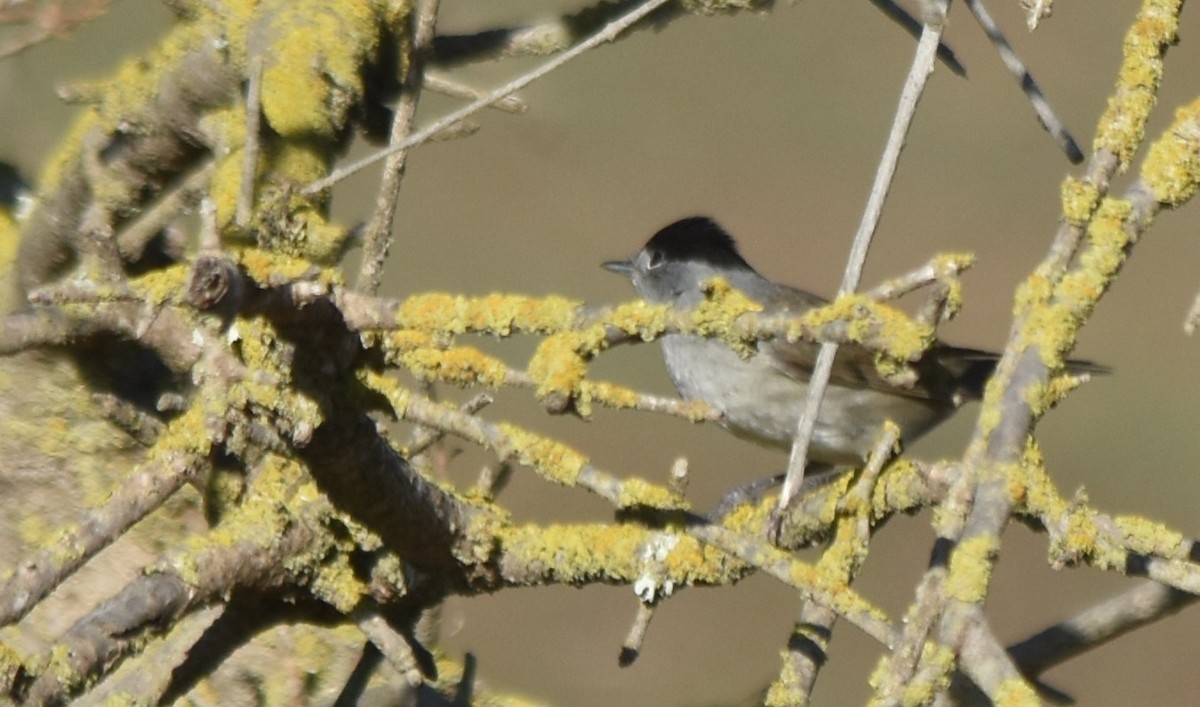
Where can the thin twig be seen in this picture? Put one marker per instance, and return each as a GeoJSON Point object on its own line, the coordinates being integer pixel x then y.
{"type": "Point", "coordinates": [391, 644]}
{"type": "Point", "coordinates": [356, 684]}
{"type": "Point", "coordinates": [245, 200]}
{"type": "Point", "coordinates": [1045, 113]}
{"type": "Point", "coordinates": [808, 646]}
{"type": "Point", "coordinates": [1097, 625]}
{"type": "Point", "coordinates": [1193, 317]}
{"type": "Point", "coordinates": [1037, 10]}
{"type": "Point", "coordinates": [425, 437]}
{"type": "Point", "coordinates": [936, 270]}
{"type": "Point", "coordinates": [134, 236]}
{"type": "Point", "coordinates": [632, 647]}
{"type": "Point", "coordinates": [922, 67]}
{"type": "Point", "coordinates": [440, 84]}
{"type": "Point", "coordinates": [149, 677]}
{"type": "Point", "coordinates": [912, 25]}
{"type": "Point", "coordinates": [141, 426]}
{"type": "Point", "coordinates": [841, 599]}
{"type": "Point", "coordinates": [143, 492]}
{"type": "Point", "coordinates": [378, 235]}
{"type": "Point", "coordinates": [608, 34]}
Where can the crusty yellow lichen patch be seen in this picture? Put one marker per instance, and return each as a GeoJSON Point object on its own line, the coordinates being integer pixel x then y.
{"type": "Point", "coordinates": [641, 319]}
{"type": "Point", "coordinates": [1051, 328]}
{"type": "Point", "coordinates": [842, 559]}
{"type": "Point", "coordinates": [952, 264]}
{"type": "Point", "coordinates": [166, 285]}
{"type": "Point", "coordinates": [1172, 166]}
{"type": "Point", "coordinates": [1123, 124]}
{"type": "Point", "coordinates": [186, 434]}
{"type": "Point", "coordinates": [501, 314]}
{"type": "Point", "coordinates": [1149, 538]}
{"type": "Point", "coordinates": [637, 492]}
{"type": "Point", "coordinates": [1053, 313]}
{"type": "Point", "coordinates": [312, 65]}
{"type": "Point", "coordinates": [459, 365]}
{"type": "Point", "coordinates": [904, 338]}
{"type": "Point", "coordinates": [269, 269]}
{"type": "Point", "coordinates": [616, 396]}
{"type": "Point", "coordinates": [579, 553]}
{"type": "Point", "coordinates": [783, 690]}
{"type": "Point", "coordinates": [619, 397]}
{"type": "Point", "coordinates": [749, 518]}
{"type": "Point", "coordinates": [722, 304]}
{"type": "Point", "coordinates": [1014, 692]}
{"type": "Point", "coordinates": [1081, 537]}
{"type": "Point", "coordinates": [1041, 398]}
{"type": "Point", "coordinates": [10, 667]}
{"type": "Point", "coordinates": [831, 590]}
{"type": "Point", "coordinates": [1079, 200]}
{"type": "Point", "coordinates": [277, 495]}
{"type": "Point", "coordinates": [497, 314]}
{"type": "Point", "coordinates": [396, 394]}
{"type": "Point", "coordinates": [1041, 497]}
{"type": "Point", "coordinates": [896, 489]}
{"type": "Point", "coordinates": [336, 583]}
{"type": "Point", "coordinates": [971, 565]}
{"type": "Point", "coordinates": [553, 460]}
{"type": "Point", "coordinates": [558, 367]}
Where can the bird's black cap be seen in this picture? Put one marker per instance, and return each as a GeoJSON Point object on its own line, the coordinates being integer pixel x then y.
{"type": "Point", "coordinates": [697, 238]}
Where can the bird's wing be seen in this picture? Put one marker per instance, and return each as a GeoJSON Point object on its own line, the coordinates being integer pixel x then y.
{"type": "Point", "coordinates": [942, 373]}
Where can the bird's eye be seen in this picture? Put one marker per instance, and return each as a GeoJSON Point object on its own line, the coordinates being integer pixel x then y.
{"type": "Point", "coordinates": [654, 260]}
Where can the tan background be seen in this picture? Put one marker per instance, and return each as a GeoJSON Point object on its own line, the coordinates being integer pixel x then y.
{"type": "Point", "coordinates": [773, 124]}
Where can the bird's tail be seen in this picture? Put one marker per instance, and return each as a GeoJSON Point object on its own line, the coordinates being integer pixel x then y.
{"type": "Point", "coordinates": [972, 368]}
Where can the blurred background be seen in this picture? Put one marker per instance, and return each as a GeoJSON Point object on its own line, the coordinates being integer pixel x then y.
{"type": "Point", "coordinates": [772, 124]}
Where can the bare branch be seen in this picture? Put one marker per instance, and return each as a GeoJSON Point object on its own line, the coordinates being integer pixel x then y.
{"type": "Point", "coordinates": [919, 73]}
{"type": "Point", "coordinates": [1045, 113]}
{"type": "Point", "coordinates": [142, 493]}
{"type": "Point", "coordinates": [378, 236]}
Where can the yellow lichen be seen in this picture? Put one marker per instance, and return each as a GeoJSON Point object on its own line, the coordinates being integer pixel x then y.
{"type": "Point", "coordinates": [638, 492]}
{"type": "Point", "coordinates": [312, 71]}
{"type": "Point", "coordinates": [722, 304]}
{"type": "Point", "coordinates": [162, 286]}
{"type": "Point", "coordinates": [1014, 692]}
{"type": "Point", "coordinates": [553, 460]}
{"type": "Point", "coordinates": [903, 338]}
{"type": "Point", "coordinates": [640, 319]}
{"type": "Point", "coordinates": [1149, 538]}
{"type": "Point", "coordinates": [971, 568]}
{"type": "Point", "coordinates": [1079, 200]}
{"type": "Point", "coordinates": [1172, 166]}
{"type": "Point", "coordinates": [1122, 126]}
{"type": "Point", "coordinates": [336, 584]}
{"type": "Point", "coordinates": [579, 552]}
{"type": "Point", "coordinates": [498, 314]}
{"type": "Point", "coordinates": [397, 395]}
{"type": "Point", "coordinates": [1081, 539]}
{"type": "Point", "coordinates": [11, 667]}
{"type": "Point", "coordinates": [268, 269]}
{"type": "Point", "coordinates": [558, 368]}
{"type": "Point", "coordinates": [460, 365]}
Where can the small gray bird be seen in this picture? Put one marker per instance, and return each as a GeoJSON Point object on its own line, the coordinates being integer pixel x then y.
{"type": "Point", "coordinates": [761, 397]}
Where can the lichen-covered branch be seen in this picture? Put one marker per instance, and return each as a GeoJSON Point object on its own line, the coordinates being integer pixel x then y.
{"type": "Point", "coordinates": [241, 362]}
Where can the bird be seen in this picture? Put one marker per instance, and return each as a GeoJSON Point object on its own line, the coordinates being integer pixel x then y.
{"type": "Point", "coordinates": [760, 397]}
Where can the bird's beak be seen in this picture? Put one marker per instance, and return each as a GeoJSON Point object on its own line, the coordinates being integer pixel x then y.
{"type": "Point", "coordinates": [621, 267]}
